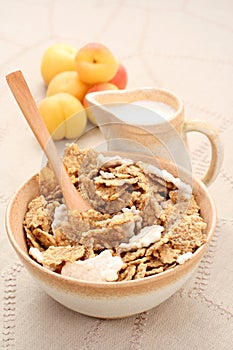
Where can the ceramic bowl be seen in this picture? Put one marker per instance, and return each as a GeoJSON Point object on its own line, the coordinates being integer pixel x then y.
{"type": "Point", "coordinates": [108, 299]}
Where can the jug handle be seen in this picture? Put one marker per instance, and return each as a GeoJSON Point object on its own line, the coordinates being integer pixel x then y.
{"type": "Point", "coordinates": [216, 147]}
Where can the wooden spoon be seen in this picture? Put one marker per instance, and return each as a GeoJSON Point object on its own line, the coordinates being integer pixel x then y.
{"type": "Point", "coordinates": [24, 98]}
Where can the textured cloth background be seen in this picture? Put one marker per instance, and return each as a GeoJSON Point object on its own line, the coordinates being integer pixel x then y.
{"type": "Point", "coordinates": [182, 45]}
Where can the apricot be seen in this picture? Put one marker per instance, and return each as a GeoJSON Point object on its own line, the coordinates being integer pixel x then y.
{"type": "Point", "coordinates": [68, 82]}
{"type": "Point", "coordinates": [95, 63]}
{"type": "Point", "coordinates": [64, 116]}
{"type": "Point", "coordinates": [56, 59]}
{"type": "Point", "coordinates": [120, 79]}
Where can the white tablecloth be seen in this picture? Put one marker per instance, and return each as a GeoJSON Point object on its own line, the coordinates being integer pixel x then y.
{"type": "Point", "coordinates": [182, 45]}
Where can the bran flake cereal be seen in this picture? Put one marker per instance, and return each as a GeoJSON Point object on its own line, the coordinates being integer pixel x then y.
{"type": "Point", "coordinates": [143, 220]}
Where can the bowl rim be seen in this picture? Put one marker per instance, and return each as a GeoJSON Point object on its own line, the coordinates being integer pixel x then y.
{"type": "Point", "coordinates": [114, 284]}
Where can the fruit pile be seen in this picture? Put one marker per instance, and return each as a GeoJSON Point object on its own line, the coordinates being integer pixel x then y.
{"type": "Point", "coordinates": [69, 75]}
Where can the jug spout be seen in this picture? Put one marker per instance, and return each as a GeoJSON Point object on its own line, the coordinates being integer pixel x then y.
{"type": "Point", "coordinates": [98, 110]}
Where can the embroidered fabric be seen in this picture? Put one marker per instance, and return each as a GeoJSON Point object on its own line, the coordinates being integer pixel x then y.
{"type": "Point", "coordinates": [182, 45]}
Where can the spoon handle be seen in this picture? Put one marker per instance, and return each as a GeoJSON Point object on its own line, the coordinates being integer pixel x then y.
{"type": "Point", "coordinates": [26, 102]}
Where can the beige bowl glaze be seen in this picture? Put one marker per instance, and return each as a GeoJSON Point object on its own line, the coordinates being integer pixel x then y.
{"type": "Point", "coordinates": [110, 299]}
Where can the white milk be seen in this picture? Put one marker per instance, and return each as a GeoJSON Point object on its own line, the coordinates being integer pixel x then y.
{"type": "Point", "coordinates": [142, 112]}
